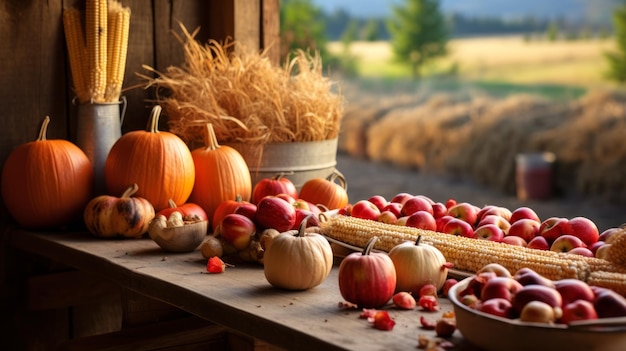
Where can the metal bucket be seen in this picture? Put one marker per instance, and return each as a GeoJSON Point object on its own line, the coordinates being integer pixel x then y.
{"type": "Point", "coordinates": [299, 161]}
{"type": "Point", "coordinates": [98, 127]}
{"type": "Point", "coordinates": [534, 175]}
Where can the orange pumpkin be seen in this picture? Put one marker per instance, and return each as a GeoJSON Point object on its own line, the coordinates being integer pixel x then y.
{"type": "Point", "coordinates": [47, 183]}
{"type": "Point", "coordinates": [158, 162]}
{"type": "Point", "coordinates": [221, 174]}
{"type": "Point", "coordinates": [326, 191]}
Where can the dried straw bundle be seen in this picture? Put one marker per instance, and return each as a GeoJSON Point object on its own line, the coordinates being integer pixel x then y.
{"type": "Point", "coordinates": [245, 96]}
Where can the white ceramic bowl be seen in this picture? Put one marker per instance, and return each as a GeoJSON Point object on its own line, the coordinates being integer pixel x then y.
{"type": "Point", "coordinates": [493, 333]}
{"type": "Point", "coordinates": [186, 238]}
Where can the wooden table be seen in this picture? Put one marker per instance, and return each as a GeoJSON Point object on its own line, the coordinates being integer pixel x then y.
{"type": "Point", "coordinates": [240, 299]}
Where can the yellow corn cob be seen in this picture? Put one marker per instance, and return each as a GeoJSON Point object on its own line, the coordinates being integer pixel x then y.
{"type": "Point", "coordinates": [466, 254]}
{"type": "Point", "coordinates": [75, 40]}
{"type": "Point", "coordinates": [117, 48]}
{"type": "Point", "coordinates": [616, 253]}
{"type": "Point", "coordinates": [96, 35]}
{"type": "Point", "coordinates": [612, 280]}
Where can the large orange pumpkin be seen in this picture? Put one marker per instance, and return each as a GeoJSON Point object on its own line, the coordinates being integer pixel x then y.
{"type": "Point", "coordinates": [221, 174]}
{"type": "Point", "coordinates": [158, 162]}
{"type": "Point", "coordinates": [47, 183]}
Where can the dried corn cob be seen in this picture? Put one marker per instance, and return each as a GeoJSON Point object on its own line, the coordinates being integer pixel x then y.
{"type": "Point", "coordinates": [96, 35]}
{"type": "Point", "coordinates": [616, 253]}
{"type": "Point", "coordinates": [117, 48]}
{"type": "Point", "coordinates": [76, 49]}
{"type": "Point", "coordinates": [466, 254]}
{"type": "Point", "coordinates": [612, 280]}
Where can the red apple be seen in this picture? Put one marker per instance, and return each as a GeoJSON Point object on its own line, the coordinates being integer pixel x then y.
{"type": "Point", "coordinates": [602, 251]}
{"type": "Point", "coordinates": [500, 287]}
{"type": "Point", "coordinates": [489, 232]}
{"type": "Point", "coordinates": [227, 207]}
{"type": "Point", "coordinates": [477, 283]}
{"type": "Point", "coordinates": [585, 229]}
{"type": "Point", "coordinates": [595, 246]}
{"type": "Point", "coordinates": [416, 203]}
{"type": "Point", "coordinates": [492, 210]}
{"type": "Point", "coordinates": [394, 207]}
{"type": "Point", "coordinates": [498, 307]}
{"type": "Point", "coordinates": [514, 240]}
{"type": "Point", "coordinates": [365, 210]}
{"type": "Point", "coordinates": [402, 220]}
{"type": "Point", "coordinates": [535, 292]}
{"type": "Point", "coordinates": [301, 215]}
{"type": "Point", "coordinates": [523, 212]}
{"type": "Point", "coordinates": [609, 304]}
{"type": "Point", "coordinates": [456, 226]}
{"type": "Point", "coordinates": [272, 187]}
{"type": "Point", "coordinates": [565, 243]}
{"type": "Point", "coordinates": [422, 220]}
{"type": "Point", "coordinates": [290, 199]}
{"type": "Point", "coordinates": [525, 228]}
{"type": "Point", "coordinates": [401, 198]}
{"type": "Point", "coordinates": [441, 222]}
{"type": "Point", "coordinates": [247, 209]}
{"type": "Point", "coordinates": [553, 227]}
{"type": "Point", "coordinates": [583, 251]}
{"type": "Point", "coordinates": [579, 310]}
{"type": "Point", "coordinates": [605, 235]}
{"type": "Point", "coordinates": [538, 243]}
{"type": "Point", "coordinates": [387, 217]}
{"type": "Point", "coordinates": [450, 202]}
{"type": "Point", "coordinates": [527, 276]}
{"type": "Point", "coordinates": [540, 312]}
{"type": "Point", "coordinates": [573, 289]}
{"type": "Point", "coordinates": [237, 230]}
{"type": "Point", "coordinates": [465, 211]}
{"type": "Point", "coordinates": [450, 282]}
{"type": "Point", "coordinates": [274, 212]}
{"type": "Point", "coordinates": [379, 201]}
{"type": "Point", "coordinates": [439, 210]}
{"type": "Point", "coordinates": [496, 268]}
{"type": "Point", "coordinates": [497, 220]}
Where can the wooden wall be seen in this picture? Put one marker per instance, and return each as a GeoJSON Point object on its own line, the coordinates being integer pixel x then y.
{"type": "Point", "coordinates": [35, 82]}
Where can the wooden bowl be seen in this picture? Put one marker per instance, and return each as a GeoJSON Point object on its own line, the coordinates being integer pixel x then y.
{"type": "Point", "coordinates": [493, 333]}
{"type": "Point", "coordinates": [185, 238]}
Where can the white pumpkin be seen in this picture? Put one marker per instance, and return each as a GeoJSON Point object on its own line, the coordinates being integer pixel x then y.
{"type": "Point", "coordinates": [297, 260]}
{"type": "Point", "coordinates": [417, 265]}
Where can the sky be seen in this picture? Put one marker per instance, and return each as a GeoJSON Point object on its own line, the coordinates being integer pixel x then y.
{"type": "Point", "coordinates": [489, 8]}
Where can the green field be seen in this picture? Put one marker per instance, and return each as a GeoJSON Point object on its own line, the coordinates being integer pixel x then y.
{"type": "Point", "coordinates": [494, 65]}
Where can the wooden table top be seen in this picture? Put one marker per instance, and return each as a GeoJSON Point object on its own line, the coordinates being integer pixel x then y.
{"type": "Point", "coordinates": [240, 298]}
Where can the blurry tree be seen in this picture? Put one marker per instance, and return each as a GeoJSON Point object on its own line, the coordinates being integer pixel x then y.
{"type": "Point", "coordinates": [617, 59]}
{"type": "Point", "coordinates": [301, 27]}
{"type": "Point", "coordinates": [371, 32]}
{"type": "Point", "coordinates": [553, 31]}
{"type": "Point", "coordinates": [418, 33]}
{"type": "Point", "coordinates": [350, 34]}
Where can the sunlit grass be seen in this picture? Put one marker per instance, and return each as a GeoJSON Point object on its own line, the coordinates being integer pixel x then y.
{"type": "Point", "coordinates": [497, 61]}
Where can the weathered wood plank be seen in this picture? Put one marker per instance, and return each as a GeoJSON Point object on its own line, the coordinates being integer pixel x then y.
{"type": "Point", "coordinates": [240, 299]}
{"type": "Point", "coordinates": [270, 29]}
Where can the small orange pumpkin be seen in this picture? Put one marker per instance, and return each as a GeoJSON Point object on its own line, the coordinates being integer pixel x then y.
{"type": "Point", "coordinates": [46, 183]}
{"type": "Point", "coordinates": [326, 192]}
{"type": "Point", "coordinates": [159, 162]}
{"type": "Point", "coordinates": [221, 174]}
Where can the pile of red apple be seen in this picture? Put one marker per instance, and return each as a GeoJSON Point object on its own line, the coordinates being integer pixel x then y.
{"type": "Point", "coordinates": [521, 226]}
{"type": "Point", "coordinates": [530, 297]}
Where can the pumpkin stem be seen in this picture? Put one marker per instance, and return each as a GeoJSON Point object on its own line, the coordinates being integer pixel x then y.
{"type": "Point", "coordinates": [130, 191]}
{"type": "Point", "coordinates": [302, 227]}
{"type": "Point", "coordinates": [370, 245]}
{"type": "Point", "coordinates": [280, 175]}
{"type": "Point", "coordinates": [153, 123]}
{"type": "Point", "coordinates": [210, 138]}
{"type": "Point", "coordinates": [171, 203]}
{"type": "Point", "coordinates": [44, 129]}
{"type": "Point", "coordinates": [417, 241]}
